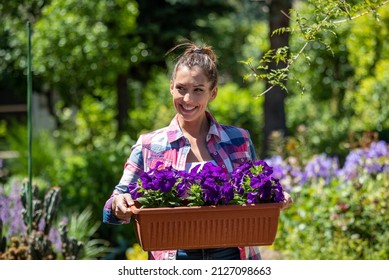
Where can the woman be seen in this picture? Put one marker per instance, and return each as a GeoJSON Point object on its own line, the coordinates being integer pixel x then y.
{"type": "Point", "coordinates": [193, 137]}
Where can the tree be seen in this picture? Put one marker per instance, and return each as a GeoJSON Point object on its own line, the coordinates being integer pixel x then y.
{"type": "Point", "coordinates": [310, 29]}
{"type": "Point", "coordinates": [80, 46]}
{"type": "Point", "coordinates": [274, 105]}
{"type": "Point", "coordinates": [14, 15]}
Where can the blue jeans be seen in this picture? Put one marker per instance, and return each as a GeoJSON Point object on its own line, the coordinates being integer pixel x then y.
{"type": "Point", "coordinates": [209, 254]}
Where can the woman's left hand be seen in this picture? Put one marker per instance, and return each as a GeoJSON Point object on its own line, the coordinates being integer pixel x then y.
{"type": "Point", "coordinates": [287, 200]}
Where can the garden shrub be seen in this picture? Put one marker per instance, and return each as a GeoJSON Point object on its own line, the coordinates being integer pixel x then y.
{"type": "Point", "coordinates": [342, 214]}
{"type": "Point", "coordinates": [52, 236]}
{"type": "Point", "coordinates": [85, 158]}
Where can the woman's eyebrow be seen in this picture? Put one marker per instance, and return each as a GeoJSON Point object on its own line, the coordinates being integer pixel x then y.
{"type": "Point", "coordinates": [199, 85]}
{"type": "Point", "coordinates": [195, 85]}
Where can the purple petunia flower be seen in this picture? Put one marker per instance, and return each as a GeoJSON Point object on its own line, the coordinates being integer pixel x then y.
{"type": "Point", "coordinates": [252, 197]}
{"type": "Point", "coordinates": [251, 182]}
{"type": "Point", "coordinates": [254, 183]}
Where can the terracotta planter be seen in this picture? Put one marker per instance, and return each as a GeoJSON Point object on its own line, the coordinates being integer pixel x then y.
{"type": "Point", "coordinates": [206, 226]}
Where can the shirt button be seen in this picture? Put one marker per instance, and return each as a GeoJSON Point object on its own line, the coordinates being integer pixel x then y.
{"type": "Point", "coordinates": [223, 166]}
{"type": "Point", "coordinates": [215, 153]}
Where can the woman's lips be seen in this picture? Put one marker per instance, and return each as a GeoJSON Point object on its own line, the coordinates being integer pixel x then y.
{"type": "Point", "coordinates": [188, 108]}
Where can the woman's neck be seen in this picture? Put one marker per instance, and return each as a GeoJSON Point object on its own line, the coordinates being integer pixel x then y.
{"type": "Point", "coordinates": [195, 129]}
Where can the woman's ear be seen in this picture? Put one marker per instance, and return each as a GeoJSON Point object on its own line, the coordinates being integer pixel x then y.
{"type": "Point", "coordinates": [171, 87]}
{"type": "Point", "coordinates": [213, 93]}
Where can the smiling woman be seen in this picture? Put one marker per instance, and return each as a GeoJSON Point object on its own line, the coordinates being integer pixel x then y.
{"type": "Point", "coordinates": [193, 136]}
{"type": "Point", "coordinates": [193, 86]}
{"type": "Point", "coordinates": [191, 93]}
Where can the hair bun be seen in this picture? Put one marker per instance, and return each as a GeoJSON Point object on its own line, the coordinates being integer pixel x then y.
{"type": "Point", "coordinates": [207, 60]}
{"type": "Point", "coordinates": [197, 50]}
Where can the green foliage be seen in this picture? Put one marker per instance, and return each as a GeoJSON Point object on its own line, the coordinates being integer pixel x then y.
{"type": "Point", "coordinates": [84, 228]}
{"type": "Point", "coordinates": [87, 178]}
{"type": "Point", "coordinates": [85, 158]}
{"type": "Point", "coordinates": [90, 154]}
{"type": "Point", "coordinates": [51, 237]}
{"type": "Point", "coordinates": [371, 76]}
{"type": "Point", "coordinates": [157, 198]}
{"type": "Point", "coordinates": [339, 84]}
{"type": "Point", "coordinates": [322, 70]}
{"type": "Point", "coordinates": [90, 39]}
{"type": "Point", "coordinates": [315, 128]}
{"type": "Point", "coordinates": [13, 43]}
{"type": "Point", "coordinates": [256, 43]}
{"type": "Point", "coordinates": [195, 197]}
{"type": "Point", "coordinates": [90, 126]}
{"type": "Point", "coordinates": [337, 220]}
{"type": "Point", "coordinates": [262, 72]}
{"type": "Point", "coordinates": [373, 91]}
{"type": "Point", "coordinates": [337, 57]}
{"type": "Point", "coordinates": [3, 128]}
{"type": "Point", "coordinates": [44, 151]}
{"type": "Point", "coordinates": [325, 16]}
{"type": "Point", "coordinates": [237, 106]}
{"type": "Point", "coordinates": [226, 34]}
{"type": "Point", "coordinates": [146, 117]}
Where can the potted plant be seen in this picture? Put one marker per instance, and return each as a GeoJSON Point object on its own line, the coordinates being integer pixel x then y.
{"type": "Point", "coordinates": [205, 208]}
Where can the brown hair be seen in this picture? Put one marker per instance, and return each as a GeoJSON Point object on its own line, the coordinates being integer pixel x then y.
{"type": "Point", "coordinates": [196, 55]}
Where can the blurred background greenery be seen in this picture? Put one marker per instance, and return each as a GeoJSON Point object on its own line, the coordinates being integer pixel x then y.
{"type": "Point", "coordinates": [100, 71]}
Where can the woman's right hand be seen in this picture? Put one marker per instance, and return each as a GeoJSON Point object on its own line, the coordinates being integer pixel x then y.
{"type": "Point", "coordinates": [121, 206]}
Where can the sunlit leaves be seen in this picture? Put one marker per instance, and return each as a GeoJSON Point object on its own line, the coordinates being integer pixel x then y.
{"type": "Point", "coordinates": [84, 37]}
{"type": "Point", "coordinates": [325, 18]}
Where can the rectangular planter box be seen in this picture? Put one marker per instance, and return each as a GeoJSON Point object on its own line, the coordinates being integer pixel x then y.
{"type": "Point", "coordinates": [206, 226]}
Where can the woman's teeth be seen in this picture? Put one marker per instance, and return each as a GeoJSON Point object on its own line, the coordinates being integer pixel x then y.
{"type": "Point", "coordinates": [187, 108]}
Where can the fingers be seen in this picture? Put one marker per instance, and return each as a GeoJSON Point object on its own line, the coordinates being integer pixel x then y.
{"type": "Point", "coordinates": [130, 202]}
{"type": "Point", "coordinates": [121, 206]}
{"type": "Point", "coordinates": [287, 200]}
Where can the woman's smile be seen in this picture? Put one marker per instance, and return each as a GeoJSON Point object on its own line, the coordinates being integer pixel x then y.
{"type": "Point", "coordinates": [187, 108]}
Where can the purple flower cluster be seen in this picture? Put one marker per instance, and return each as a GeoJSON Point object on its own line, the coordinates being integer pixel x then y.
{"type": "Point", "coordinates": [11, 208]}
{"type": "Point", "coordinates": [371, 160]}
{"type": "Point", "coordinates": [11, 213]}
{"type": "Point", "coordinates": [254, 182]}
{"type": "Point", "coordinates": [207, 185]}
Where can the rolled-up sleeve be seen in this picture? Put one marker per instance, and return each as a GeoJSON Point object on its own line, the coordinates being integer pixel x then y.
{"type": "Point", "coordinates": [132, 170]}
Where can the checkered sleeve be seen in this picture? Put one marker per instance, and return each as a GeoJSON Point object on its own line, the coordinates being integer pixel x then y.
{"type": "Point", "coordinates": [251, 146]}
{"type": "Point", "coordinates": [132, 170]}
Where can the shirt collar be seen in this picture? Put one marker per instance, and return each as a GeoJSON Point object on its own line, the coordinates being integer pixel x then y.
{"type": "Point", "coordinates": [214, 128]}
{"type": "Point", "coordinates": [174, 131]}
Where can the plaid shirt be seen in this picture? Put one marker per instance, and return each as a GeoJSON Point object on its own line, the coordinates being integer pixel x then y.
{"type": "Point", "coordinates": [229, 146]}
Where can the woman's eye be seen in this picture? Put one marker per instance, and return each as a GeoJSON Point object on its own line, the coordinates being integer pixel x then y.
{"type": "Point", "coordinates": [198, 90]}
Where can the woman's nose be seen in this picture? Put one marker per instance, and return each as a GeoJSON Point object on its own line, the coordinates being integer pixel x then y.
{"type": "Point", "coordinates": [187, 96]}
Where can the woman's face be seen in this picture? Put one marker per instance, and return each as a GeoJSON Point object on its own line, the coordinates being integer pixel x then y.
{"type": "Point", "coordinates": [191, 93]}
